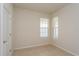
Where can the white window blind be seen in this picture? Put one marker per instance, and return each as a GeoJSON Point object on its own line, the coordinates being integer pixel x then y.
{"type": "Point", "coordinates": [55, 23]}
{"type": "Point", "coordinates": [43, 27]}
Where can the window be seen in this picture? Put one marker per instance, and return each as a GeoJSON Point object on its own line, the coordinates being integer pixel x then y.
{"type": "Point", "coordinates": [43, 27]}
{"type": "Point", "coordinates": [55, 23]}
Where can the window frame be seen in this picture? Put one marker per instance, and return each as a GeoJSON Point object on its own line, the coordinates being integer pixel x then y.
{"type": "Point", "coordinates": [55, 27]}
{"type": "Point", "coordinates": [42, 22]}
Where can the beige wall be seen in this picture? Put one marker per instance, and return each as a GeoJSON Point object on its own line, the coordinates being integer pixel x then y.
{"type": "Point", "coordinates": [26, 28]}
{"type": "Point", "coordinates": [68, 28]}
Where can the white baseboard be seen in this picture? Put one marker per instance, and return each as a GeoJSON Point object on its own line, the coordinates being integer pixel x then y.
{"type": "Point", "coordinates": [48, 44]}
{"type": "Point", "coordinates": [31, 46]}
{"type": "Point", "coordinates": [74, 54]}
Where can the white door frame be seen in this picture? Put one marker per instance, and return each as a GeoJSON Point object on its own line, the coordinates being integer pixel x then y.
{"type": "Point", "coordinates": [1, 30]}
{"type": "Point", "coordinates": [2, 21]}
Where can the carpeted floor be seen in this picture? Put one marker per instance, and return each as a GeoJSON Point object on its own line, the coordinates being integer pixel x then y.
{"type": "Point", "coordinates": [47, 50]}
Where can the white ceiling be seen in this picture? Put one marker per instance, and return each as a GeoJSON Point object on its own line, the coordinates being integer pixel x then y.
{"type": "Point", "coordinates": [41, 7]}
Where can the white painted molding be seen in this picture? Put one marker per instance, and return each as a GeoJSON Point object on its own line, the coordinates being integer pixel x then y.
{"type": "Point", "coordinates": [48, 44]}
{"type": "Point", "coordinates": [74, 54]}
{"type": "Point", "coordinates": [31, 46]}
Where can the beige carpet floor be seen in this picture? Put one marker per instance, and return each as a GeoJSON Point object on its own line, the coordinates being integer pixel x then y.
{"type": "Point", "coordinates": [47, 50]}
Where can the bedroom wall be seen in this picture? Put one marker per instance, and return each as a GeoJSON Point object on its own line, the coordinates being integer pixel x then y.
{"type": "Point", "coordinates": [68, 28]}
{"type": "Point", "coordinates": [26, 28]}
